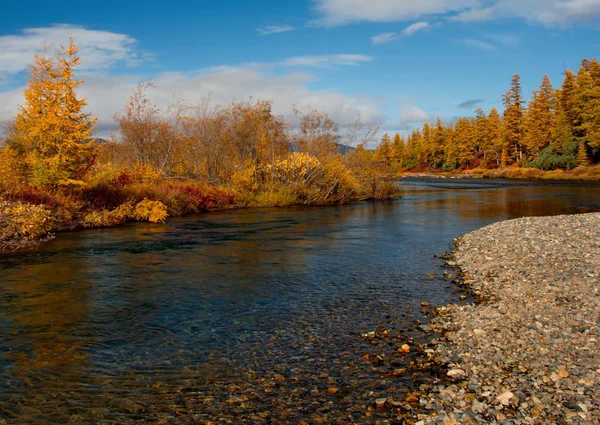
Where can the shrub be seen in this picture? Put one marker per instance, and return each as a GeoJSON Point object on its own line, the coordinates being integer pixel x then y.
{"type": "Point", "coordinates": [105, 218]}
{"type": "Point", "coordinates": [152, 211]}
{"type": "Point", "coordinates": [23, 225]}
{"type": "Point", "coordinates": [549, 159]}
{"type": "Point", "coordinates": [447, 167]}
{"type": "Point", "coordinates": [409, 164]}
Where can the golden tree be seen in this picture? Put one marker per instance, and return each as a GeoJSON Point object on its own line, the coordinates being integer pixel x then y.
{"type": "Point", "coordinates": [539, 126]}
{"type": "Point", "coordinates": [51, 136]}
{"type": "Point", "coordinates": [588, 96]}
{"type": "Point", "coordinates": [513, 121]}
{"type": "Point", "coordinates": [494, 136]}
{"type": "Point", "coordinates": [464, 141]}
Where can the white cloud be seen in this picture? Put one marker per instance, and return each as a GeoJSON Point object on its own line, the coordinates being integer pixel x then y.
{"type": "Point", "coordinates": [385, 37]}
{"type": "Point", "coordinates": [478, 44]}
{"type": "Point", "coordinates": [100, 50]}
{"type": "Point", "coordinates": [327, 61]}
{"type": "Point", "coordinates": [275, 29]}
{"type": "Point", "coordinates": [410, 113]}
{"type": "Point", "coordinates": [411, 29]}
{"type": "Point", "coordinates": [108, 94]}
{"type": "Point", "coordinates": [340, 12]}
{"type": "Point", "coordinates": [545, 12]}
{"type": "Point", "coordinates": [508, 40]}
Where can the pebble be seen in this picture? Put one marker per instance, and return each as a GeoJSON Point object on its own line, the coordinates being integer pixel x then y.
{"type": "Point", "coordinates": [527, 351]}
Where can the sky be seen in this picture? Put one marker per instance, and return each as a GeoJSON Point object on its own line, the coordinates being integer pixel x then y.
{"type": "Point", "coordinates": [394, 63]}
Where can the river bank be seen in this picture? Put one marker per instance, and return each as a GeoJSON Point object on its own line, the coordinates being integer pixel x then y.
{"type": "Point", "coordinates": [30, 216]}
{"type": "Point", "coordinates": [581, 174]}
{"type": "Point", "coordinates": [527, 354]}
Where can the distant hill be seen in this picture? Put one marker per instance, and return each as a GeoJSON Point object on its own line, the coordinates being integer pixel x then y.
{"type": "Point", "coordinates": [344, 149]}
{"type": "Point", "coordinates": [98, 140]}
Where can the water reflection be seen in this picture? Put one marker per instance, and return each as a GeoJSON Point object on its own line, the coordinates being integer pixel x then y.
{"type": "Point", "coordinates": [124, 324]}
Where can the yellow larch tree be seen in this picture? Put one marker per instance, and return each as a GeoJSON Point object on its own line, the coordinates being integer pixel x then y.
{"type": "Point", "coordinates": [494, 136]}
{"type": "Point", "coordinates": [51, 138]}
{"type": "Point", "coordinates": [540, 122]}
{"type": "Point", "coordinates": [513, 122]}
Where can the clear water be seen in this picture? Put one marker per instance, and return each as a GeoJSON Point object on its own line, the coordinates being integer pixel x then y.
{"type": "Point", "coordinates": [239, 316]}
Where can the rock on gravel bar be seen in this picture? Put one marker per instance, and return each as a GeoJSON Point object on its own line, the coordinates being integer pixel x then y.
{"type": "Point", "coordinates": [529, 353]}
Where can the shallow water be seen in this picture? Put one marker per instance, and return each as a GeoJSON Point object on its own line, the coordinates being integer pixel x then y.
{"type": "Point", "coordinates": [242, 316]}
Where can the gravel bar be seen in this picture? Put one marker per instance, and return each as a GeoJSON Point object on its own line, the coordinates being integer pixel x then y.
{"type": "Point", "coordinates": [529, 352]}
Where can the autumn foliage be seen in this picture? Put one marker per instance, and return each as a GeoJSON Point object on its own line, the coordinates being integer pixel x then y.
{"type": "Point", "coordinates": [559, 129]}
{"type": "Point", "coordinates": [50, 141]}
{"type": "Point", "coordinates": [186, 159]}
{"type": "Point", "coordinates": [190, 158]}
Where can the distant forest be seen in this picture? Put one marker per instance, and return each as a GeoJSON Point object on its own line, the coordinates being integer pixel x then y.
{"type": "Point", "coordinates": [556, 129]}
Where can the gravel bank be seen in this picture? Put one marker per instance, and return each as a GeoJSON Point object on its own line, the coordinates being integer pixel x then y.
{"type": "Point", "coordinates": [530, 352]}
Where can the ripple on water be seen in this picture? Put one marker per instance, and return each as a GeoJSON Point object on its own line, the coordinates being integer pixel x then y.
{"type": "Point", "coordinates": [243, 315]}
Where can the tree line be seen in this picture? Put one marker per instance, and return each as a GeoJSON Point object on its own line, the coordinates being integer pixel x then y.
{"type": "Point", "coordinates": [556, 129]}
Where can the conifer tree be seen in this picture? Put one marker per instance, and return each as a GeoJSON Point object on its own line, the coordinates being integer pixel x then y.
{"type": "Point", "coordinates": [540, 123]}
{"type": "Point", "coordinates": [51, 135]}
{"type": "Point", "coordinates": [464, 141]}
{"type": "Point", "coordinates": [437, 144]}
{"type": "Point", "coordinates": [513, 121]}
{"type": "Point", "coordinates": [588, 103]}
{"type": "Point", "coordinates": [567, 118]}
{"type": "Point", "coordinates": [481, 130]}
{"type": "Point", "coordinates": [383, 153]}
{"type": "Point", "coordinates": [426, 145]}
{"type": "Point", "coordinates": [494, 136]}
{"type": "Point", "coordinates": [398, 151]}
{"type": "Point", "coordinates": [582, 156]}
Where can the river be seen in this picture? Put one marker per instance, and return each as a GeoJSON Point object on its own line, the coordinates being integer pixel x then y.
{"type": "Point", "coordinates": [249, 316]}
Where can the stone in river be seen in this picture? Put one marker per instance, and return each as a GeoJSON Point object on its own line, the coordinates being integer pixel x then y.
{"type": "Point", "coordinates": [380, 402]}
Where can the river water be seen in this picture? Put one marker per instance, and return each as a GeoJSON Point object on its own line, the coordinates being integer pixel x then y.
{"type": "Point", "coordinates": [246, 316]}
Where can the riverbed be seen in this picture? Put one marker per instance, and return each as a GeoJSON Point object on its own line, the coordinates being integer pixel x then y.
{"type": "Point", "coordinates": [250, 316]}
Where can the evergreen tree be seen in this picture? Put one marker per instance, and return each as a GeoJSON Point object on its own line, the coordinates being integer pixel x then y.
{"type": "Point", "coordinates": [464, 141]}
{"type": "Point", "coordinates": [494, 136]}
{"type": "Point", "coordinates": [481, 131]}
{"type": "Point", "coordinates": [438, 144]}
{"type": "Point", "coordinates": [513, 121]}
{"type": "Point", "coordinates": [539, 126]}
{"type": "Point", "coordinates": [383, 153]}
{"type": "Point", "coordinates": [567, 115]}
{"type": "Point", "coordinates": [588, 103]}
{"type": "Point", "coordinates": [51, 136]}
{"type": "Point", "coordinates": [398, 151]}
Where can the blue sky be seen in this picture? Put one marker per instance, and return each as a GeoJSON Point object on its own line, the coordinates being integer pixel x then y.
{"type": "Point", "coordinates": [396, 63]}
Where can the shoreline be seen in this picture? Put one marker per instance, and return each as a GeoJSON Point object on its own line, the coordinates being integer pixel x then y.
{"type": "Point", "coordinates": [526, 353]}
{"type": "Point", "coordinates": [24, 246]}
{"type": "Point", "coordinates": [580, 174]}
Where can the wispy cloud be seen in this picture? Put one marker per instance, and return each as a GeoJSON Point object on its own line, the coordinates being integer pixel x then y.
{"type": "Point", "coordinates": [327, 61]}
{"type": "Point", "coordinates": [507, 40]}
{"type": "Point", "coordinates": [385, 37]}
{"type": "Point", "coordinates": [470, 104]}
{"type": "Point", "coordinates": [275, 29]}
{"type": "Point", "coordinates": [341, 12]}
{"type": "Point", "coordinates": [558, 13]}
{"type": "Point", "coordinates": [478, 44]}
{"type": "Point", "coordinates": [411, 29]}
{"type": "Point", "coordinates": [410, 113]}
{"type": "Point", "coordinates": [100, 50]}
{"type": "Point", "coordinates": [546, 12]}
